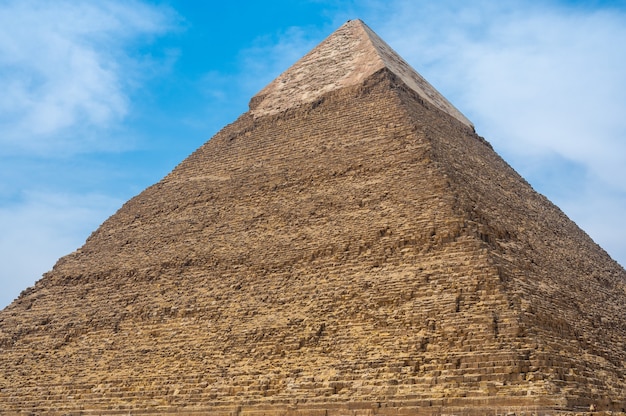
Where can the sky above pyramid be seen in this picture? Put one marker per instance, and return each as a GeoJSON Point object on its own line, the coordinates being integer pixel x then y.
{"type": "Point", "coordinates": [103, 98]}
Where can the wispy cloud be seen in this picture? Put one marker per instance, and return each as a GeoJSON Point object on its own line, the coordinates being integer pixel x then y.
{"type": "Point", "coordinates": [262, 61]}
{"type": "Point", "coordinates": [256, 66]}
{"type": "Point", "coordinates": [40, 228]}
{"type": "Point", "coordinates": [68, 71]}
{"type": "Point", "coordinates": [271, 55]}
{"type": "Point", "coordinates": [65, 71]}
{"type": "Point", "coordinates": [544, 83]}
{"type": "Point", "coordinates": [554, 83]}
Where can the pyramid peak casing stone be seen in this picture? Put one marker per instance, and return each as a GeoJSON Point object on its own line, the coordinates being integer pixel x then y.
{"type": "Point", "coordinates": [346, 58]}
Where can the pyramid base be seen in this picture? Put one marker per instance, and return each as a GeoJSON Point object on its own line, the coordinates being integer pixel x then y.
{"type": "Point", "coordinates": [544, 405]}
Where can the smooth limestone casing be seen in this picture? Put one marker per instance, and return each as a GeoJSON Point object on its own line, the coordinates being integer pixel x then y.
{"type": "Point", "coordinates": [346, 58]}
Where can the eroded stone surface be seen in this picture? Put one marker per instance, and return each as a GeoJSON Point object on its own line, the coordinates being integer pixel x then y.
{"type": "Point", "coordinates": [361, 254]}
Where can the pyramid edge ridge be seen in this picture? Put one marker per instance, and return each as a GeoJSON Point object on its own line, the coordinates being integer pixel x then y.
{"type": "Point", "coordinates": [411, 77]}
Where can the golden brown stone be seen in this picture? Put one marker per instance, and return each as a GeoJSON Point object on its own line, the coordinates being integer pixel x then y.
{"type": "Point", "coordinates": [361, 253]}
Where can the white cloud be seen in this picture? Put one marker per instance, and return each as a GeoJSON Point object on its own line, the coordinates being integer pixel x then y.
{"type": "Point", "coordinates": [537, 79]}
{"type": "Point", "coordinates": [269, 56]}
{"type": "Point", "coordinates": [68, 70]}
{"type": "Point", "coordinates": [553, 83]}
{"type": "Point", "coordinates": [542, 82]}
{"type": "Point", "coordinates": [257, 65]}
{"type": "Point", "coordinates": [600, 211]}
{"type": "Point", "coordinates": [41, 228]}
{"type": "Point", "coordinates": [64, 71]}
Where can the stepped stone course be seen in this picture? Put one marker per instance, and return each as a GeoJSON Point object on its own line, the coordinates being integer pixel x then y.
{"type": "Point", "coordinates": [348, 247]}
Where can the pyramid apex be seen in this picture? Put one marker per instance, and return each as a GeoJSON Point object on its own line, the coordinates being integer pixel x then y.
{"type": "Point", "coordinates": [347, 57]}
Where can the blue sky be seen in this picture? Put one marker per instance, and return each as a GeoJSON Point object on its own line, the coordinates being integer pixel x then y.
{"type": "Point", "coordinates": [101, 99]}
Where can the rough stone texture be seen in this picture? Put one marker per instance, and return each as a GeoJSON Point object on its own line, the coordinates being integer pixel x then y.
{"type": "Point", "coordinates": [363, 253]}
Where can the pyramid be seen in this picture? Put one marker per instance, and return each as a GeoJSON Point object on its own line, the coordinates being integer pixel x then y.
{"type": "Point", "coordinates": [348, 246]}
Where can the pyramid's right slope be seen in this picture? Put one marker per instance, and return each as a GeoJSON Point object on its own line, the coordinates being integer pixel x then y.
{"type": "Point", "coordinates": [344, 245]}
